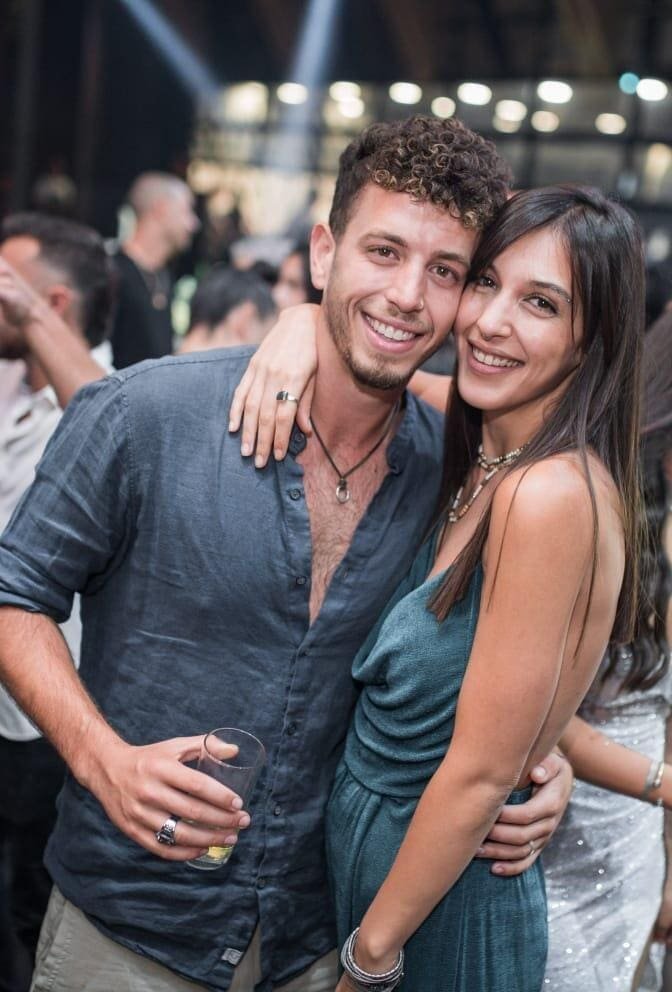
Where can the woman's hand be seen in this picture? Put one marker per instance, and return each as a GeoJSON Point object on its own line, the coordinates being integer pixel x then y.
{"type": "Point", "coordinates": [286, 359]}
{"type": "Point", "coordinates": [662, 932]}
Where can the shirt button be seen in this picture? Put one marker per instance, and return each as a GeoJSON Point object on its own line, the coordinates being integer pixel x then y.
{"type": "Point", "coordinates": [299, 437]}
{"type": "Point", "coordinates": [277, 810]}
{"type": "Point", "coordinates": [301, 580]}
{"type": "Point", "coordinates": [291, 729]}
{"type": "Point", "coordinates": [261, 882]}
{"type": "Point", "coordinates": [295, 494]}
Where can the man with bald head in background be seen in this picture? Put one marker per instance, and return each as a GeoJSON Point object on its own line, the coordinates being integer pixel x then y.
{"type": "Point", "coordinates": [165, 224]}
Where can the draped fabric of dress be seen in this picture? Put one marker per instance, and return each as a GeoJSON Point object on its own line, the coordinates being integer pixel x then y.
{"type": "Point", "coordinates": [606, 863]}
{"type": "Point", "coordinates": [488, 934]}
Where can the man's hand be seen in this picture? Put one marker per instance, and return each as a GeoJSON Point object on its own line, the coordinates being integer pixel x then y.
{"type": "Point", "coordinates": [19, 302]}
{"type": "Point", "coordinates": [140, 787]}
{"type": "Point", "coordinates": [522, 832]}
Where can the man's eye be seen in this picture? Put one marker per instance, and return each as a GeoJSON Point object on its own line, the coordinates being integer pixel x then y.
{"type": "Point", "coordinates": [443, 272]}
{"type": "Point", "coordinates": [383, 251]}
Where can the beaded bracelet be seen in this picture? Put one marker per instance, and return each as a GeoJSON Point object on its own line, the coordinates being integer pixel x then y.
{"type": "Point", "coordinates": [365, 981]}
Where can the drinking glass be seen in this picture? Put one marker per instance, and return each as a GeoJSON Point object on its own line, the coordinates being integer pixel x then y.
{"type": "Point", "coordinates": [234, 758]}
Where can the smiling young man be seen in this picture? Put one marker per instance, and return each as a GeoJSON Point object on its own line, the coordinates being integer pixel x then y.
{"type": "Point", "coordinates": [217, 595]}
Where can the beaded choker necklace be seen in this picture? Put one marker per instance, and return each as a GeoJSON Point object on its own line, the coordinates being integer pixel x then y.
{"type": "Point", "coordinates": [490, 466]}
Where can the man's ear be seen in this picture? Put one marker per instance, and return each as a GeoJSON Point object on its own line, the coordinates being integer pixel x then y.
{"type": "Point", "coordinates": [322, 250]}
{"type": "Point", "coordinates": [60, 298]}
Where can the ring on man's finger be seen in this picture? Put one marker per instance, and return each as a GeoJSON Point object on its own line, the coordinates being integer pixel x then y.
{"type": "Point", "coordinates": [166, 833]}
{"type": "Point", "coordinates": [284, 397]}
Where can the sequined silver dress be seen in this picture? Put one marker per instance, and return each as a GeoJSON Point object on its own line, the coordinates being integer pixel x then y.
{"type": "Point", "coordinates": [605, 866]}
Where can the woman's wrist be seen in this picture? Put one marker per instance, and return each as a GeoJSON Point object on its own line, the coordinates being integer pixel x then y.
{"type": "Point", "coordinates": [368, 972]}
{"type": "Point", "coordinates": [374, 952]}
{"type": "Point", "coordinates": [664, 792]}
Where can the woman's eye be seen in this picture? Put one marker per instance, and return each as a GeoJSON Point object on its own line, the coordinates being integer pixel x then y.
{"type": "Point", "coordinates": [484, 282]}
{"type": "Point", "coordinates": [541, 303]}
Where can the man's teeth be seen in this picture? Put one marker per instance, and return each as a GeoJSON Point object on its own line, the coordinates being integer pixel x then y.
{"type": "Point", "coordinates": [504, 363]}
{"type": "Point", "coordinates": [393, 333]}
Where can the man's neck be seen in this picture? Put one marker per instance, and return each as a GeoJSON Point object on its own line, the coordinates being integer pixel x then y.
{"type": "Point", "coordinates": [345, 410]}
{"type": "Point", "coordinates": [147, 248]}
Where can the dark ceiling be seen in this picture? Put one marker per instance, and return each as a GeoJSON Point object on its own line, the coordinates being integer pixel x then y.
{"type": "Point", "coordinates": [106, 104]}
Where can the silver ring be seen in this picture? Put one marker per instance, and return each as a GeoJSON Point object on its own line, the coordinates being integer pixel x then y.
{"type": "Point", "coordinates": [533, 849]}
{"type": "Point", "coordinates": [166, 835]}
{"type": "Point", "coordinates": [284, 397]}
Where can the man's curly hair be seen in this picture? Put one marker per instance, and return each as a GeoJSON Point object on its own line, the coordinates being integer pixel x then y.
{"type": "Point", "coordinates": [431, 159]}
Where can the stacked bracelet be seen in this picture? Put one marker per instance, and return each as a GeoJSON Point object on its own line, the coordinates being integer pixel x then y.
{"type": "Point", "coordinates": [654, 779]}
{"type": "Point", "coordinates": [365, 981]}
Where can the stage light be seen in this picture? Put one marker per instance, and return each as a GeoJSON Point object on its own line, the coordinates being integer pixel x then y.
{"type": "Point", "coordinates": [443, 106]}
{"type": "Point", "coordinates": [342, 90]}
{"type": "Point", "coordinates": [475, 93]}
{"type": "Point", "coordinates": [352, 108]}
{"type": "Point", "coordinates": [292, 93]}
{"type": "Point", "coordinates": [246, 103]}
{"type": "Point", "coordinates": [553, 91]}
{"type": "Point", "coordinates": [407, 93]}
{"type": "Point", "coordinates": [651, 89]}
{"type": "Point", "coordinates": [513, 111]}
{"type": "Point", "coordinates": [611, 123]}
{"type": "Point", "coordinates": [505, 127]}
{"type": "Point", "coordinates": [189, 68]}
{"type": "Point", "coordinates": [627, 83]}
{"type": "Point", "coordinates": [545, 121]}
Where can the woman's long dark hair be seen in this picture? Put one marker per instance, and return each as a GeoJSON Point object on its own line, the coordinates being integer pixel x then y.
{"type": "Point", "coordinates": [649, 650]}
{"type": "Point", "coordinates": [599, 410]}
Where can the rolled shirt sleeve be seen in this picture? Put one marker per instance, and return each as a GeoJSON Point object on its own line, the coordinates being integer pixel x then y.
{"type": "Point", "coordinates": [74, 522]}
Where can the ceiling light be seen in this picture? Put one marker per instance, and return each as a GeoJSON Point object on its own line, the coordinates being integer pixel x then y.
{"type": "Point", "coordinates": [405, 93]}
{"type": "Point", "coordinates": [553, 91]}
{"type": "Point", "coordinates": [545, 120]}
{"type": "Point", "coordinates": [351, 108]}
{"type": "Point", "coordinates": [443, 106]}
{"type": "Point", "coordinates": [628, 83]}
{"type": "Point", "coordinates": [510, 110]}
{"type": "Point", "coordinates": [246, 103]}
{"type": "Point", "coordinates": [475, 93]}
{"type": "Point", "coordinates": [345, 91]}
{"type": "Point", "coordinates": [294, 93]}
{"type": "Point", "coordinates": [651, 89]}
{"type": "Point", "coordinates": [611, 123]}
{"type": "Point", "coordinates": [504, 126]}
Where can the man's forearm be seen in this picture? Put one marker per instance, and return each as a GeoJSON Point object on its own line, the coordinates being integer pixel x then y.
{"type": "Point", "coordinates": [37, 669]}
{"type": "Point", "coordinates": [64, 357]}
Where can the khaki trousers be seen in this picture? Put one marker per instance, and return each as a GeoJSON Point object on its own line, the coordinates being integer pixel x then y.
{"type": "Point", "coordinates": [73, 956]}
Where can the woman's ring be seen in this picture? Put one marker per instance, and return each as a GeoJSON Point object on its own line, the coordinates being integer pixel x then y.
{"type": "Point", "coordinates": [533, 849]}
{"type": "Point", "coordinates": [284, 397]}
{"type": "Point", "coordinates": [166, 834]}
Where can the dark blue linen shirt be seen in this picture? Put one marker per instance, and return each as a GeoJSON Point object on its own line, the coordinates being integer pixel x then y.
{"type": "Point", "coordinates": [194, 570]}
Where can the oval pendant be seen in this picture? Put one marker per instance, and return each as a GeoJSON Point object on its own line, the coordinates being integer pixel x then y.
{"type": "Point", "coordinates": [342, 491]}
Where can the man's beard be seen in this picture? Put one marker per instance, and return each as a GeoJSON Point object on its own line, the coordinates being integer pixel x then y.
{"type": "Point", "coordinates": [12, 347]}
{"type": "Point", "coordinates": [377, 374]}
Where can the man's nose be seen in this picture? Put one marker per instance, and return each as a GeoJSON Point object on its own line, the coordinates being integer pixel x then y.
{"type": "Point", "coordinates": [406, 291]}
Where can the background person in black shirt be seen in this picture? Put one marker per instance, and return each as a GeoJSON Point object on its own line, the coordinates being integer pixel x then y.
{"type": "Point", "coordinates": [165, 225]}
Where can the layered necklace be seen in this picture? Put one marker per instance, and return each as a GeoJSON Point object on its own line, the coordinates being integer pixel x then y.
{"type": "Point", "coordinates": [342, 489]}
{"type": "Point", "coordinates": [490, 466]}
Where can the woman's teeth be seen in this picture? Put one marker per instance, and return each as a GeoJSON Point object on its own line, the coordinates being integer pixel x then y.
{"type": "Point", "coordinates": [504, 363]}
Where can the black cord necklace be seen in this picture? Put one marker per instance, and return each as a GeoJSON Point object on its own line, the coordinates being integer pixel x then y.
{"type": "Point", "coordinates": [342, 489]}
